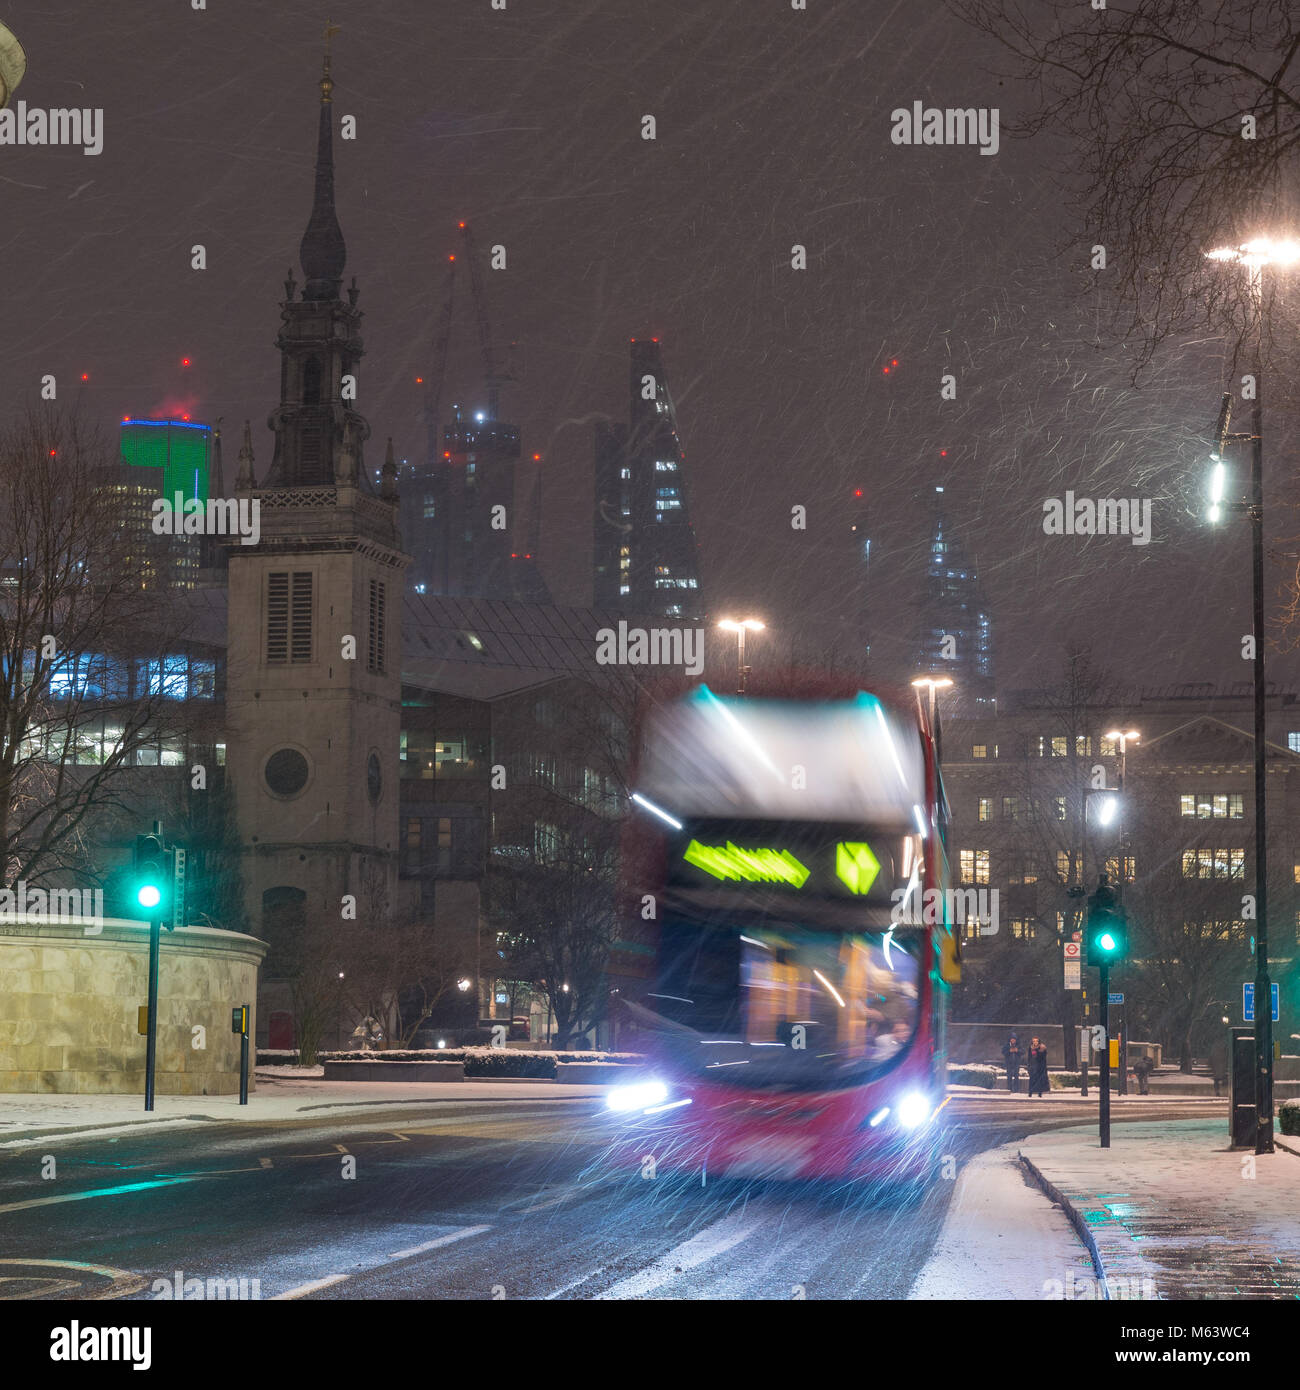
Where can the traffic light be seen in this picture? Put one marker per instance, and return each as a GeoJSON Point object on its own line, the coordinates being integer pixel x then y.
{"type": "Point", "coordinates": [1107, 931]}
{"type": "Point", "coordinates": [152, 878]}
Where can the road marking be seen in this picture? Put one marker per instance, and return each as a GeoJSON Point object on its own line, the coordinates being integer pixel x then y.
{"type": "Point", "coordinates": [707, 1245]}
{"type": "Point", "coordinates": [303, 1289]}
{"type": "Point", "coordinates": [317, 1284]}
{"type": "Point", "coordinates": [94, 1192]}
{"type": "Point", "coordinates": [462, 1234]}
{"type": "Point", "coordinates": [121, 1282]}
{"type": "Point", "coordinates": [576, 1282]}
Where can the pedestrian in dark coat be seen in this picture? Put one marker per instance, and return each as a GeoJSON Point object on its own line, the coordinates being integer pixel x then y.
{"type": "Point", "coordinates": [1037, 1067]}
{"type": "Point", "coordinates": [1013, 1055]}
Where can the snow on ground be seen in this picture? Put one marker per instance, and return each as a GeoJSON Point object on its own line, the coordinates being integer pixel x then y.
{"type": "Point", "coordinates": [277, 1097]}
{"type": "Point", "coordinates": [1002, 1238]}
{"type": "Point", "coordinates": [1178, 1214]}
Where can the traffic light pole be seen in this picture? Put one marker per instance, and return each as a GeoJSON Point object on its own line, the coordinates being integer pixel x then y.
{"type": "Point", "coordinates": [151, 1033]}
{"type": "Point", "coordinates": [151, 1037]}
{"type": "Point", "coordinates": [1103, 1085]}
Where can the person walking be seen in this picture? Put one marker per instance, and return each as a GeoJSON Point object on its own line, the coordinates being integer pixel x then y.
{"type": "Point", "coordinates": [1037, 1067]}
{"type": "Point", "coordinates": [1012, 1055]}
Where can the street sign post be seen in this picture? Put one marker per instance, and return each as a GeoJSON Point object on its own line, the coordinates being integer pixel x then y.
{"type": "Point", "coordinates": [1248, 1003]}
{"type": "Point", "coordinates": [239, 1025]}
{"type": "Point", "coordinates": [1116, 999]}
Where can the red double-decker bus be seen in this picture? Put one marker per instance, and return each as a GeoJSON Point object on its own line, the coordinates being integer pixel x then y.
{"type": "Point", "coordinates": [786, 855]}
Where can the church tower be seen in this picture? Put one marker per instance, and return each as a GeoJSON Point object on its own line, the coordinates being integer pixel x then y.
{"type": "Point", "coordinates": [313, 690]}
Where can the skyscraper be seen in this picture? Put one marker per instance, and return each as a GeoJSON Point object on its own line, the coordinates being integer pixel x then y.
{"type": "Point", "coordinates": [644, 545]}
{"type": "Point", "coordinates": [458, 515]}
{"type": "Point", "coordinates": [956, 636]}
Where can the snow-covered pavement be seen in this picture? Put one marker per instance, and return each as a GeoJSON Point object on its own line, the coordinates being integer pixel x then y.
{"type": "Point", "coordinates": [23, 1118]}
{"type": "Point", "coordinates": [1175, 1213]}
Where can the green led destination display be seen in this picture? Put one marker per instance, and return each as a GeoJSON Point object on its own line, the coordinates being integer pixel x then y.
{"type": "Point", "coordinates": [854, 865]}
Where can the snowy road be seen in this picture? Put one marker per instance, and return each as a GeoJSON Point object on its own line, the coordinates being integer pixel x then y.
{"type": "Point", "coordinates": [509, 1200]}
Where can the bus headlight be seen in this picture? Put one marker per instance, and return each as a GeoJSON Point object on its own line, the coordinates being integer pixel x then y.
{"type": "Point", "coordinates": [636, 1095]}
{"type": "Point", "coordinates": [913, 1110]}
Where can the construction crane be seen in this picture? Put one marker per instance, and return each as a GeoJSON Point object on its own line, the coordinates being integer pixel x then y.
{"type": "Point", "coordinates": [493, 378]}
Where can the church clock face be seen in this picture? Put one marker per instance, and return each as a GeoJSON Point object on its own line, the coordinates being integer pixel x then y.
{"type": "Point", "coordinates": [374, 777]}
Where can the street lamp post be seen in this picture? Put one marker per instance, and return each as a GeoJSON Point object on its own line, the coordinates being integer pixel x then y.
{"type": "Point", "coordinates": [740, 627]}
{"type": "Point", "coordinates": [932, 684]}
{"type": "Point", "coordinates": [1255, 255]}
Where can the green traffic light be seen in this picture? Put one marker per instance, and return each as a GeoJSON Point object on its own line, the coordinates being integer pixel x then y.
{"type": "Point", "coordinates": [148, 895]}
{"type": "Point", "coordinates": [1106, 941]}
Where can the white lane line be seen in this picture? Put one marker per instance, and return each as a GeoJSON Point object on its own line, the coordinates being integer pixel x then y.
{"type": "Point", "coordinates": [94, 1192]}
{"type": "Point", "coordinates": [559, 1292]}
{"type": "Point", "coordinates": [462, 1234]}
{"type": "Point", "coordinates": [711, 1242]}
{"type": "Point", "coordinates": [315, 1284]}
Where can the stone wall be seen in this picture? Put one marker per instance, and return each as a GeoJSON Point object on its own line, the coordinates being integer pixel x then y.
{"type": "Point", "coordinates": [69, 1001]}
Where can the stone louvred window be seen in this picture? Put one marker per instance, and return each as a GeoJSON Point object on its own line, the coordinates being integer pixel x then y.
{"type": "Point", "coordinates": [288, 617]}
{"type": "Point", "coordinates": [376, 654]}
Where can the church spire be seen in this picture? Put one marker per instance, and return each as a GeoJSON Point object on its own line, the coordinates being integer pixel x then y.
{"type": "Point", "coordinates": [323, 253]}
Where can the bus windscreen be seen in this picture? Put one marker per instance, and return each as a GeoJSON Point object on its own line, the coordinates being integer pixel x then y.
{"type": "Point", "coordinates": [781, 1003]}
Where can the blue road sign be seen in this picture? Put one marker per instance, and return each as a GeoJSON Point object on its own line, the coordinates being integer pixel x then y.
{"type": "Point", "coordinates": [1248, 1003]}
{"type": "Point", "coordinates": [1115, 998]}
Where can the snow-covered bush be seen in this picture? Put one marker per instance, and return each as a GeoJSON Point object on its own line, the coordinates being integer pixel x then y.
{"type": "Point", "coordinates": [974, 1075]}
{"type": "Point", "coordinates": [480, 1062]}
{"type": "Point", "coordinates": [1288, 1117]}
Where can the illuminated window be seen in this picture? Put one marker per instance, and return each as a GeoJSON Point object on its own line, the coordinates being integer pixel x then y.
{"type": "Point", "coordinates": [1213, 805]}
{"type": "Point", "coordinates": [1130, 868]}
{"type": "Point", "coordinates": [1217, 863]}
{"type": "Point", "coordinates": [985, 809]}
{"type": "Point", "coordinates": [1063, 871]}
{"type": "Point", "coordinates": [1022, 928]}
{"type": "Point", "coordinates": [1060, 747]}
{"type": "Point", "coordinates": [1083, 745]}
{"type": "Point", "coordinates": [974, 865]}
{"type": "Point", "coordinates": [979, 750]}
{"type": "Point", "coordinates": [1010, 808]}
{"type": "Point", "coordinates": [1109, 747]}
{"type": "Point", "coordinates": [1058, 807]}
{"type": "Point", "coordinates": [1293, 742]}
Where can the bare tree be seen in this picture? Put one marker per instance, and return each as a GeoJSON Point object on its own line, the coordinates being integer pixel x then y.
{"type": "Point", "coordinates": [552, 882]}
{"type": "Point", "coordinates": [1183, 127]}
{"type": "Point", "coordinates": [78, 699]}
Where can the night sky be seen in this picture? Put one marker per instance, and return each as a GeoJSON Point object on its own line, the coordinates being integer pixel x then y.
{"type": "Point", "coordinates": [773, 129]}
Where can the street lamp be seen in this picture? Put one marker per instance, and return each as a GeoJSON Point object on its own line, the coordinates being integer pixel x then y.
{"type": "Point", "coordinates": [740, 627]}
{"type": "Point", "coordinates": [932, 683]}
{"type": "Point", "coordinates": [1255, 255]}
